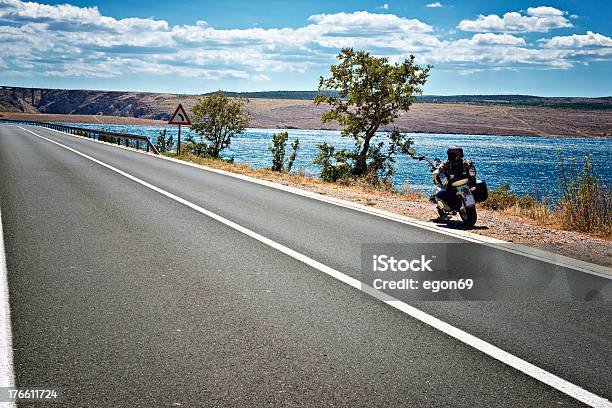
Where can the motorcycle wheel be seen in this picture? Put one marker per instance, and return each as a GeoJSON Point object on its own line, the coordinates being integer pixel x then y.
{"type": "Point", "coordinates": [468, 215]}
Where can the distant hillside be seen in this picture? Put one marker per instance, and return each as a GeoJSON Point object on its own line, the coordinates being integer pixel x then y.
{"type": "Point", "coordinates": [297, 95]}
{"type": "Point", "coordinates": [147, 105]}
{"type": "Point", "coordinates": [520, 115]}
{"type": "Point", "coordinates": [86, 102]}
{"type": "Point", "coordinates": [604, 103]}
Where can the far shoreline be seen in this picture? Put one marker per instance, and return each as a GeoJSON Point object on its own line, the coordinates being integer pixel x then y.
{"type": "Point", "coordinates": [134, 121]}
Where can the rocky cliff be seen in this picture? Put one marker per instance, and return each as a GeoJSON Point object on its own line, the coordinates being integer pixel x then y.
{"type": "Point", "coordinates": [86, 102]}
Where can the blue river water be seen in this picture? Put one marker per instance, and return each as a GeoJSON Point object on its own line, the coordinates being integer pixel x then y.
{"type": "Point", "coordinates": [529, 164]}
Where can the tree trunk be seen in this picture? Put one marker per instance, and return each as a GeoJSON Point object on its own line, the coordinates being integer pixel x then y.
{"type": "Point", "coordinates": [362, 165]}
{"type": "Point", "coordinates": [217, 146]}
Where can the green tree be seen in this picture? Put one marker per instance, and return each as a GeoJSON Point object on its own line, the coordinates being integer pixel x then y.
{"type": "Point", "coordinates": [382, 157]}
{"type": "Point", "coordinates": [279, 141]}
{"type": "Point", "coordinates": [295, 145]}
{"type": "Point", "coordinates": [278, 149]}
{"type": "Point", "coordinates": [164, 143]}
{"type": "Point", "coordinates": [217, 119]}
{"type": "Point", "coordinates": [371, 93]}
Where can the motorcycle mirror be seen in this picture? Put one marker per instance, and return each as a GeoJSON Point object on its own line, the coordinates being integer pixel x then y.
{"type": "Point", "coordinates": [411, 151]}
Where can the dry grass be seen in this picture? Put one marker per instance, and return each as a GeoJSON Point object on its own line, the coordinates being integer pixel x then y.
{"type": "Point", "coordinates": [585, 207]}
{"type": "Point", "coordinates": [537, 214]}
{"type": "Point", "coordinates": [587, 202]}
{"type": "Point", "coordinates": [500, 200]}
{"type": "Point", "coordinates": [411, 194]}
{"type": "Point", "coordinates": [299, 179]}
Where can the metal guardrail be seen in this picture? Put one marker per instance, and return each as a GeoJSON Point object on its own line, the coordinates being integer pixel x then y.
{"type": "Point", "coordinates": [128, 139]}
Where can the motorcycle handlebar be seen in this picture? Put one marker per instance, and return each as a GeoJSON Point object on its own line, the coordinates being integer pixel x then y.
{"type": "Point", "coordinates": [430, 162]}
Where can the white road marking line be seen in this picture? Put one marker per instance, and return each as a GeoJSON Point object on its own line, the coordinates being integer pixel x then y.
{"type": "Point", "coordinates": [523, 250]}
{"type": "Point", "coordinates": [7, 373]}
{"type": "Point", "coordinates": [531, 370]}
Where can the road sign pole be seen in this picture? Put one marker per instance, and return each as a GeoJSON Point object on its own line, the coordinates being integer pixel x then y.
{"type": "Point", "coordinates": [179, 117]}
{"type": "Point", "coordinates": [178, 146]}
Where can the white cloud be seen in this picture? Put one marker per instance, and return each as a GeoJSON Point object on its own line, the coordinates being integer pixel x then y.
{"type": "Point", "coordinates": [590, 39]}
{"type": "Point", "coordinates": [544, 11]}
{"type": "Point", "coordinates": [436, 4]}
{"type": "Point", "coordinates": [94, 45]}
{"type": "Point", "coordinates": [364, 21]}
{"type": "Point", "coordinates": [16, 10]}
{"type": "Point", "coordinates": [66, 40]}
{"type": "Point", "coordinates": [497, 39]}
{"type": "Point", "coordinates": [385, 6]}
{"type": "Point", "coordinates": [538, 19]}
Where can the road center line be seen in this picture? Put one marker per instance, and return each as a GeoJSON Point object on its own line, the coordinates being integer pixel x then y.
{"type": "Point", "coordinates": [517, 363]}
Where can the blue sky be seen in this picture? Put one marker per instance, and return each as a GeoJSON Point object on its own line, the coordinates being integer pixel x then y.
{"type": "Point", "coordinates": [549, 48]}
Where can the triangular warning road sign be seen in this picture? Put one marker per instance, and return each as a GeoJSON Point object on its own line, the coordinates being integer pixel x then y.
{"type": "Point", "coordinates": [179, 117]}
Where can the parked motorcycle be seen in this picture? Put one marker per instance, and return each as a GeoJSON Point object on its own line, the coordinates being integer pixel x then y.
{"type": "Point", "coordinates": [465, 187]}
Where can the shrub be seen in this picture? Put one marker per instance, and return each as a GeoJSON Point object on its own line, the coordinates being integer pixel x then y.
{"type": "Point", "coordinates": [380, 164]}
{"type": "Point", "coordinates": [295, 145]}
{"type": "Point", "coordinates": [410, 193]}
{"type": "Point", "coordinates": [279, 143]}
{"type": "Point", "coordinates": [501, 199]}
{"type": "Point", "coordinates": [164, 143]}
{"type": "Point", "coordinates": [333, 163]}
{"type": "Point", "coordinates": [586, 203]}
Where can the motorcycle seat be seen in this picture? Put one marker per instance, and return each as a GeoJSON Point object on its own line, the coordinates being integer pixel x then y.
{"type": "Point", "coordinates": [459, 183]}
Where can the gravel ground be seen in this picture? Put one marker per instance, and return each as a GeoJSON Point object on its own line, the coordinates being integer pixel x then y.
{"type": "Point", "coordinates": [505, 227]}
{"type": "Point", "coordinates": [493, 224]}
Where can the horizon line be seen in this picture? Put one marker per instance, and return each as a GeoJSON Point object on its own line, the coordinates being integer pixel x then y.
{"type": "Point", "coordinates": [286, 90]}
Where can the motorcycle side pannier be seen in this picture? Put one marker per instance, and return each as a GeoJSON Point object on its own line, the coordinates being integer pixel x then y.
{"type": "Point", "coordinates": [482, 192]}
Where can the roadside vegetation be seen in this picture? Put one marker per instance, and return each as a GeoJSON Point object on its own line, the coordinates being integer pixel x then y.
{"type": "Point", "coordinates": [278, 147]}
{"type": "Point", "coordinates": [585, 204]}
{"type": "Point", "coordinates": [164, 142]}
{"type": "Point", "coordinates": [297, 178]}
{"type": "Point", "coordinates": [565, 214]}
{"type": "Point", "coordinates": [365, 93]}
{"type": "Point", "coordinates": [216, 120]}
{"type": "Point", "coordinates": [503, 200]}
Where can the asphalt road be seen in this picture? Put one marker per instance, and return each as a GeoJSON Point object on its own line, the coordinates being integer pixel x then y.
{"type": "Point", "coordinates": [123, 297]}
